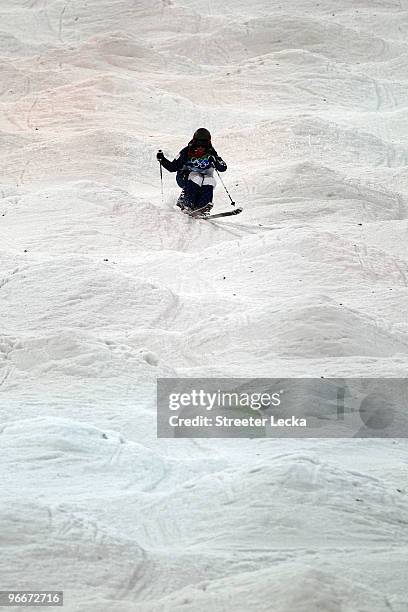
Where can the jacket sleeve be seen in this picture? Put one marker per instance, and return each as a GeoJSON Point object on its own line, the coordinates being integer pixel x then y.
{"type": "Point", "coordinates": [177, 163]}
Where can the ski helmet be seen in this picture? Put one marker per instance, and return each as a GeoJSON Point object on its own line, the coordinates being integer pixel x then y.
{"type": "Point", "coordinates": [202, 135]}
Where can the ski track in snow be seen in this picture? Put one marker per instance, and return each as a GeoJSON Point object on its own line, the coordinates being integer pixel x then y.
{"type": "Point", "coordinates": [104, 287]}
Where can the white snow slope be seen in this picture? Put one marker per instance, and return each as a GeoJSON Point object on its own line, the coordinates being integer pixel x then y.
{"type": "Point", "coordinates": [104, 287]}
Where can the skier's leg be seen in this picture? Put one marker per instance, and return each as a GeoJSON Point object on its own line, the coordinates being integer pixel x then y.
{"type": "Point", "coordinates": [204, 199]}
{"type": "Point", "coordinates": [191, 193]}
{"type": "Point", "coordinates": [181, 178]}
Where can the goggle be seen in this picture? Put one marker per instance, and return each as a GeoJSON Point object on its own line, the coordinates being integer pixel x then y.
{"type": "Point", "coordinates": [201, 142]}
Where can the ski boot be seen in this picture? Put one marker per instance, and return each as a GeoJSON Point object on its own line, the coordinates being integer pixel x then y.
{"type": "Point", "coordinates": [180, 202]}
{"type": "Point", "coordinates": [202, 211]}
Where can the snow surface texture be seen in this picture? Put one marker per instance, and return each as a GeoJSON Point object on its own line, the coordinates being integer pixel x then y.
{"type": "Point", "coordinates": [104, 287]}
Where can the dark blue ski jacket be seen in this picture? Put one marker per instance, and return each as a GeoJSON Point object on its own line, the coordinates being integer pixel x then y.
{"type": "Point", "coordinates": [198, 170]}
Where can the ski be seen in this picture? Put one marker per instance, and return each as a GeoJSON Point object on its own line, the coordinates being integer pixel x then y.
{"type": "Point", "coordinates": [227, 213]}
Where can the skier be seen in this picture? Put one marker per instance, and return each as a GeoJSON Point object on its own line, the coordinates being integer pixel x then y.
{"type": "Point", "coordinates": [195, 172]}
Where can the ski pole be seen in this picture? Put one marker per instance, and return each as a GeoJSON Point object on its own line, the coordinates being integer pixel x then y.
{"type": "Point", "coordinates": [223, 184]}
{"type": "Point", "coordinates": [161, 179]}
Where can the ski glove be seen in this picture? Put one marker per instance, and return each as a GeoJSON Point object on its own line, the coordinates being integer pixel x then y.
{"type": "Point", "coordinates": [217, 163]}
{"type": "Point", "coordinates": [160, 155]}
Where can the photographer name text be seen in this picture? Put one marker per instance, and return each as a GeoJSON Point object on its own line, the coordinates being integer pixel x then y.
{"type": "Point", "coordinates": [223, 421]}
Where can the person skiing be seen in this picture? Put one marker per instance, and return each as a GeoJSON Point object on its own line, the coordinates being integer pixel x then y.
{"type": "Point", "coordinates": [195, 172]}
